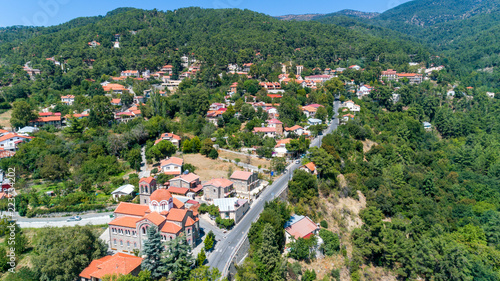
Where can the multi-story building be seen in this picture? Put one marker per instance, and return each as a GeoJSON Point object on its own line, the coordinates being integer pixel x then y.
{"type": "Point", "coordinates": [244, 182]}
{"type": "Point", "coordinates": [217, 188]}
{"type": "Point", "coordinates": [167, 214]}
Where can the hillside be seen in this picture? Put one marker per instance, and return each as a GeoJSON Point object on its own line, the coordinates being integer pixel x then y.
{"type": "Point", "coordinates": [149, 38]}
{"type": "Point", "coordinates": [304, 17]}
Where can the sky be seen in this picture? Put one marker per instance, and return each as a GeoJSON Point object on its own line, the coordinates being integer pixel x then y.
{"type": "Point", "coordinates": [53, 12]}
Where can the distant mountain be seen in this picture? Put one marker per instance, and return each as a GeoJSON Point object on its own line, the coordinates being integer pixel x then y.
{"type": "Point", "coordinates": [304, 17]}
{"type": "Point", "coordinates": [431, 12]}
{"type": "Point", "coordinates": [358, 14]}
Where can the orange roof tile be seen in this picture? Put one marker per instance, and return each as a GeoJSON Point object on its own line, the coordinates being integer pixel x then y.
{"type": "Point", "coordinates": [241, 175]}
{"type": "Point", "coordinates": [220, 182]}
{"type": "Point", "coordinates": [155, 218]}
{"type": "Point", "coordinates": [178, 203]}
{"type": "Point", "coordinates": [189, 221]}
{"type": "Point", "coordinates": [172, 160]}
{"type": "Point", "coordinates": [170, 227]}
{"type": "Point", "coordinates": [125, 221]}
{"type": "Point", "coordinates": [120, 263]}
{"type": "Point", "coordinates": [147, 180]}
{"type": "Point", "coordinates": [132, 209]}
{"type": "Point", "coordinates": [310, 166]}
{"type": "Point", "coordinates": [160, 195]}
{"type": "Point", "coordinates": [187, 178]}
{"type": "Point", "coordinates": [176, 215]}
{"type": "Point", "coordinates": [178, 190]}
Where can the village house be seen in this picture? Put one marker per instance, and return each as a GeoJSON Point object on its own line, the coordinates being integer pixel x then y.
{"type": "Point", "coordinates": [351, 106]}
{"type": "Point", "coordinates": [277, 124]}
{"type": "Point", "coordinates": [68, 100]}
{"type": "Point", "coordinates": [172, 166]}
{"type": "Point", "coordinates": [232, 208]}
{"type": "Point", "coordinates": [123, 190]}
{"type": "Point", "coordinates": [174, 139]}
{"type": "Point", "coordinates": [167, 69]}
{"type": "Point", "coordinates": [389, 75]}
{"type": "Point", "coordinates": [296, 129]}
{"type": "Point", "coordinates": [167, 214]}
{"type": "Point", "coordinates": [117, 264]}
{"type": "Point", "coordinates": [427, 126]}
{"type": "Point", "coordinates": [94, 44]}
{"type": "Point", "coordinates": [114, 88]}
{"type": "Point", "coordinates": [490, 94]}
{"type": "Point", "coordinates": [54, 120]}
{"type": "Point", "coordinates": [269, 132]}
{"type": "Point", "coordinates": [364, 91]}
{"type": "Point", "coordinates": [244, 182]}
{"type": "Point", "coordinates": [314, 121]}
{"type": "Point", "coordinates": [130, 73]}
{"type": "Point", "coordinates": [320, 78]}
{"type": "Point", "coordinates": [116, 102]}
{"type": "Point", "coordinates": [10, 141]}
{"type": "Point", "coordinates": [413, 78]}
{"type": "Point", "coordinates": [246, 67]}
{"type": "Point", "coordinates": [346, 118]}
{"type": "Point", "coordinates": [309, 111]}
{"type": "Point", "coordinates": [185, 185]}
{"type": "Point", "coordinates": [310, 168]}
{"type": "Point", "coordinates": [300, 68]}
{"type": "Point", "coordinates": [355, 67]}
{"type": "Point", "coordinates": [217, 188]}
{"type": "Point", "coordinates": [301, 227]}
{"type": "Point", "coordinates": [280, 148]}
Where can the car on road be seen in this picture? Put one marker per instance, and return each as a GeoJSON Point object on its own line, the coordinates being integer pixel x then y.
{"type": "Point", "coordinates": [74, 218]}
{"type": "Point", "coordinates": [297, 162]}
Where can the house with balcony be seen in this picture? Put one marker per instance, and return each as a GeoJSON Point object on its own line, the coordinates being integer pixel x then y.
{"type": "Point", "coordinates": [217, 188]}
{"type": "Point", "coordinates": [232, 208]}
{"type": "Point", "coordinates": [172, 166]}
{"type": "Point", "coordinates": [244, 183]}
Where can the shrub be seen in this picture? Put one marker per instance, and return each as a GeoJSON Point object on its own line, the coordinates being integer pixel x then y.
{"type": "Point", "coordinates": [323, 224]}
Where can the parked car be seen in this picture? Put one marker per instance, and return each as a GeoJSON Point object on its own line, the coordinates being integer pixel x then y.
{"type": "Point", "coordinates": [75, 218]}
{"type": "Point", "coordinates": [297, 162]}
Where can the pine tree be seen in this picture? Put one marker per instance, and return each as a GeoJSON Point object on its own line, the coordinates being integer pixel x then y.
{"type": "Point", "coordinates": [209, 241]}
{"type": "Point", "coordinates": [178, 259]}
{"type": "Point", "coordinates": [201, 258]}
{"type": "Point", "coordinates": [153, 249]}
{"type": "Point", "coordinates": [268, 258]}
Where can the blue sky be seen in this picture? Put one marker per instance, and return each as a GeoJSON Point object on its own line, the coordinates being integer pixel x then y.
{"type": "Point", "coordinates": [53, 12]}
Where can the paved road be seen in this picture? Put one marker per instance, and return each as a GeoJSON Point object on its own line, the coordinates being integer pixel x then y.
{"type": "Point", "coordinates": [223, 251]}
{"type": "Point", "coordinates": [144, 173]}
{"type": "Point", "coordinates": [95, 219]}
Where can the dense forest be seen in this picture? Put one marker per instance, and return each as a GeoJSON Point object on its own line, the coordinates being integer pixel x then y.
{"type": "Point", "coordinates": [432, 197]}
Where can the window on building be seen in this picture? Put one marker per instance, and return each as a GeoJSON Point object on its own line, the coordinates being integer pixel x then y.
{"type": "Point", "coordinates": [189, 230]}
{"type": "Point", "coordinates": [135, 244]}
{"type": "Point", "coordinates": [128, 244]}
{"type": "Point", "coordinates": [114, 241]}
{"type": "Point", "coordinates": [121, 243]}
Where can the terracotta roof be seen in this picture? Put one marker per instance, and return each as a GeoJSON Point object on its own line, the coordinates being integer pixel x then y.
{"type": "Point", "coordinates": [115, 101]}
{"type": "Point", "coordinates": [178, 203]}
{"type": "Point", "coordinates": [220, 182]}
{"type": "Point", "coordinates": [155, 218]}
{"type": "Point", "coordinates": [47, 119]}
{"type": "Point", "coordinates": [241, 175]}
{"type": "Point", "coordinates": [176, 215]}
{"type": "Point", "coordinates": [125, 221]}
{"type": "Point", "coordinates": [160, 195]}
{"type": "Point", "coordinates": [310, 166]}
{"type": "Point", "coordinates": [309, 108]}
{"type": "Point", "coordinates": [178, 190]}
{"type": "Point", "coordinates": [189, 221]}
{"type": "Point", "coordinates": [114, 87]}
{"type": "Point", "coordinates": [172, 160]}
{"type": "Point", "coordinates": [264, 129]}
{"type": "Point", "coordinates": [12, 135]}
{"type": "Point", "coordinates": [147, 180]}
{"type": "Point", "coordinates": [68, 97]}
{"type": "Point", "coordinates": [302, 228]}
{"type": "Point", "coordinates": [170, 227]}
{"type": "Point", "coordinates": [294, 128]}
{"type": "Point", "coordinates": [274, 121]}
{"type": "Point", "coordinates": [120, 263]}
{"type": "Point", "coordinates": [132, 209]}
{"type": "Point", "coordinates": [187, 178]}
{"type": "Point", "coordinates": [197, 189]}
{"type": "Point", "coordinates": [283, 141]}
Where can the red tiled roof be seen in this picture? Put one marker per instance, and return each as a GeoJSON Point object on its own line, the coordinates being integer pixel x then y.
{"type": "Point", "coordinates": [296, 127]}
{"type": "Point", "coordinates": [47, 119]}
{"type": "Point", "coordinates": [170, 227]}
{"type": "Point", "coordinates": [160, 195]}
{"type": "Point", "coordinates": [178, 203]}
{"type": "Point", "coordinates": [132, 209]}
{"type": "Point", "coordinates": [174, 173]}
{"type": "Point", "coordinates": [241, 175]}
{"type": "Point", "coordinates": [310, 166]}
{"type": "Point", "coordinates": [178, 190]}
{"type": "Point", "coordinates": [264, 129]}
{"type": "Point", "coordinates": [125, 221]}
{"type": "Point", "coordinates": [155, 218]}
{"type": "Point", "coordinates": [187, 178]}
{"type": "Point", "coordinates": [176, 215]}
{"type": "Point", "coordinates": [120, 263]}
{"type": "Point", "coordinates": [283, 141]}
{"type": "Point", "coordinates": [302, 228]}
{"type": "Point", "coordinates": [274, 121]}
{"type": "Point", "coordinates": [189, 221]}
{"type": "Point", "coordinates": [220, 182]}
{"type": "Point", "coordinates": [172, 160]}
{"type": "Point", "coordinates": [147, 180]}
{"type": "Point", "coordinates": [13, 135]}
